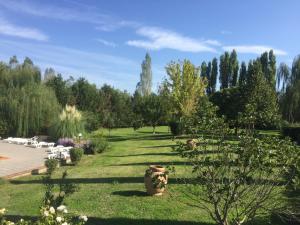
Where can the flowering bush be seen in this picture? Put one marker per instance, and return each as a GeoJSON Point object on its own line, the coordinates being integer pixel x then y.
{"type": "Point", "coordinates": [49, 216]}
{"type": "Point", "coordinates": [66, 142]}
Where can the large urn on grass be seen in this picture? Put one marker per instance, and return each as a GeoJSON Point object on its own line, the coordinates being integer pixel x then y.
{"type": "Point", "coordinates": [156, 179]}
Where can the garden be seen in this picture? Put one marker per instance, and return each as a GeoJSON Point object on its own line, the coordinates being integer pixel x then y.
{"type": "Point", "coordinates": [188, 154]}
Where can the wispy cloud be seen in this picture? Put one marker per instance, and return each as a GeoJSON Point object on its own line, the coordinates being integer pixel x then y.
{"type": "Point", "coordinates": [159, 38]}
{"type": "Point", "coordinates": [107, 43]}
{"type": "Point", "coordinates": [10, 29]}
{"type": "Point", "coordinates": [72, 12]}
{"type": "Point", "coordinates": [253, 49]}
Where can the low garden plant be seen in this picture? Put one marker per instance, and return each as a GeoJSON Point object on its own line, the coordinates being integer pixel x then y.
{"type": "Point", "coordinates": [76, 155]}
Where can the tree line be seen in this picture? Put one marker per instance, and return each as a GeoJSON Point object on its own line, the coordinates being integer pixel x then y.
{"type": "Point", "coordinates": [256, 90]}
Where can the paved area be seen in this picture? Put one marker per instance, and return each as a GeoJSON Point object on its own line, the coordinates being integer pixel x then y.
{"type": "Point", "coordinates": [20, 158]}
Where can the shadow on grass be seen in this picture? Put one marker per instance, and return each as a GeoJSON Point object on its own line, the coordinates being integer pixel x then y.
{"type": "Point", "coordinates": [130, 193]}
{"type": "Point", "coordinates": [127, 221]}
{"type": "Point", "coordinates": [147, 154]}
{"type": "Point", "coordinates": [104, 180]}
{"type": "Point", "coordinates": [118, 221]}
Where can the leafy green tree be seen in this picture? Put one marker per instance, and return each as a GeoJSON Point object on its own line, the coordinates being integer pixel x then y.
{"type": "Point", "coordinates": [224, 68]}
{"type": "Point", "coordinates": [214, 75]}
{"type": "Point", "coordinates": [262, 97]}
{"type": "Point", "coordinates": [62, 90]}
{"type": "Point", "coordinates": [185, 86]}
{"type": "Point", "coordinates": [145, 85]}
{"type": "Point", "coordinates": [243, 74]}
{"type": "Point", "coordinates": [234, 68]}
{"type": "Point", "coordinates": [85, 94]}
{"type": "Point", "coordinates": [235, 183]}
{"type": "Point", "coordinates": [152, 110]}
{"type": "Point", "coordinates": [290, 94]}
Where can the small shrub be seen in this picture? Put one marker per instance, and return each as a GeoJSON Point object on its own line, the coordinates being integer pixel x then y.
{"type": "Point", "coordinates": [51, 165]}
{"type": "Point", "coordinates": [97, 145]}
{"type": "Point", "coordinates": [176, 128]}
{"type": "Point", "coordinates": [88, 148]}
{"type": "Point", "coordinates": [293, 132]}
{"type": "Point", "coordinates": [76, 155]}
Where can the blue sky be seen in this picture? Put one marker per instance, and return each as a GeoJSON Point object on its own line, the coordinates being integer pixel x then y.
{"type": "Point", "coordinates": [105, 41]}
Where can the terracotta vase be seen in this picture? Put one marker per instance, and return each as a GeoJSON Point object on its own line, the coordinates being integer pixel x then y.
{"type": "Point", "coordinates": [155, 180]}
{"type": "Point", "coordinates": [191, 144]}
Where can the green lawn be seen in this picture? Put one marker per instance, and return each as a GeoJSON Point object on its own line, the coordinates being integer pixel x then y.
{"type": "Point", "coordinates": [111, 186]}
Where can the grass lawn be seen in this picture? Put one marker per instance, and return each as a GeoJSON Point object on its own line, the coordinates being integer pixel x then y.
{"type": "Point", "coordinates": [111, 185]}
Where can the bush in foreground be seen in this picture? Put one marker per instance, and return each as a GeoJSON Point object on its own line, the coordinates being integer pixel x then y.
{"type": "Point", "coordinates": [76, 155]}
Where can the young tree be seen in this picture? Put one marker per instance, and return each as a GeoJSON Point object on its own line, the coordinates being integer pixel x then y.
{"type": "Point", "coordinates": [152, 110]}
{"type": "Point", "coordinates": [145, 85]}
{"type": "Point", "coordinates": [185, 87]}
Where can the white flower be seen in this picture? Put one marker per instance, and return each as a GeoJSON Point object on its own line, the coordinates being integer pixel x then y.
{"type": "Point", "coordinates": [61, 208]}
{"type": "Point", "coordinates": [2, 211]}
{"type": "Point", "coordinates": [58, 219]}
{"type": "Point", "coordinates": [46, 213]}
{"type": "Point", "coordinates": [65, 211]}
{"type": "Point", "coordinates": [84, 218]}
{"type": "Point", "coordinates": [52, 210]}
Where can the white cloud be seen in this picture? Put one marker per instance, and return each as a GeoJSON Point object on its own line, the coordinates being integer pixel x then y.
{"type": "Point", "coordinates": [107, 43]}
{"type": "Point", "coordinates": [159, 38]}
{"type": "Point", "coordinates": [212, 42]}
{"type": "Point", "coordinates": [72, 12]}
{"type": "Point", "coordinates": [253, 49]}
{"type": "Point", "coordinates": [9, 29]}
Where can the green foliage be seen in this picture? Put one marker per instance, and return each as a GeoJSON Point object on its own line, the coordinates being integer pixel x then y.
{"type": "Point", "coordinates": [61, 88]}
{"type": "Point", "coordinates": [91, 121]}
{"type": "Point", "coordinates": [176, 128]}
{"type": "Point", "coordinates": [185, 87]}
{"type": "Point", "coordinates": [69, 124]}
{"type": "Point", "coordinates": [152, 110]}
{"type": "Point", "coordinates": [51, 165]}
{"type": "Point", "coordinates": [236, 181]}
{"type": "Point", "coordinates": [76, 155]}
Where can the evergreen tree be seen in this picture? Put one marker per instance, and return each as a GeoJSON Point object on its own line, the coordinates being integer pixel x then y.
{"type": "Point", "coordinates": [214, 75]}
{"type": "Point", "coordinates": [243, 74]}
{"type": "Point", "coordinates": [145, 85]}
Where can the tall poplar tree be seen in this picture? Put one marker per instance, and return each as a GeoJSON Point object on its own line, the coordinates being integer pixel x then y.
{"type": "Point", "coordinates": [243, 74]}
{"type": "Point", "coordinates": [224, 68]}
{"type": "Point", "coordinates": [214, 75]}
{"type": "Point", "coordinates": [144, 87]}
{"type": "Point", "coordinates": [234, 69]}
